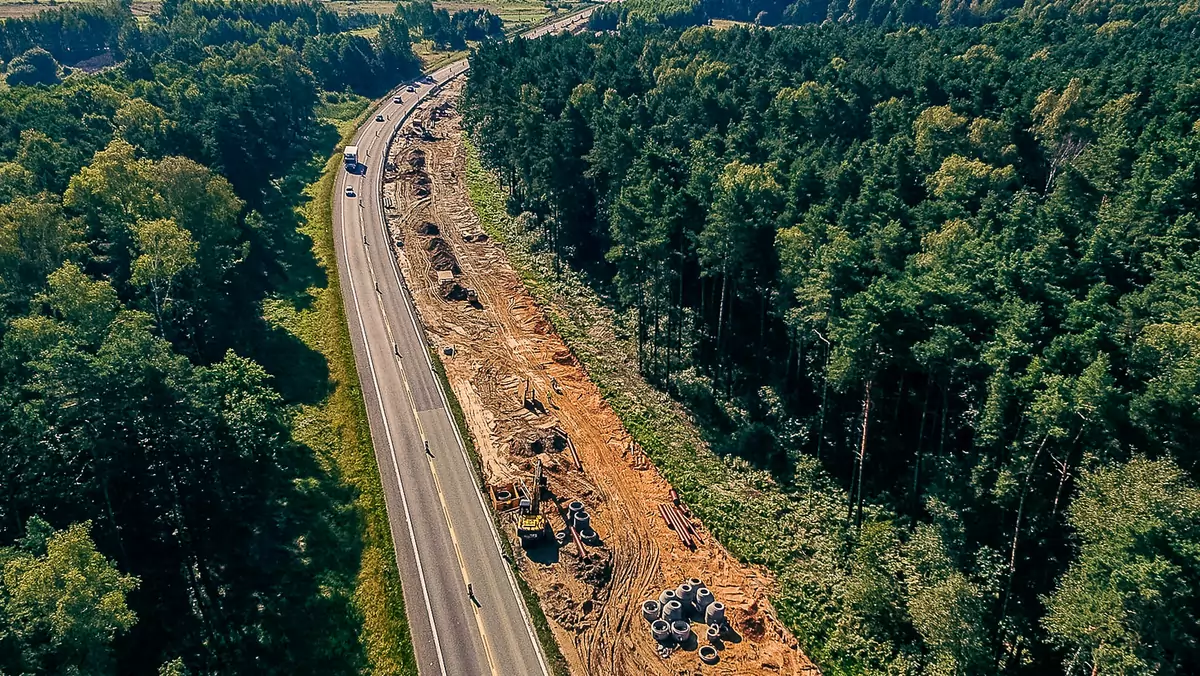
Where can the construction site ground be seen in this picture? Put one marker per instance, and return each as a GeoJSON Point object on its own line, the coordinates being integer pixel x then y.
{"type": "Point", "coordinates": [526, 397]}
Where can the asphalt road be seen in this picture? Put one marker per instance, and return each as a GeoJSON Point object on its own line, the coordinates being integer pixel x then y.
{"type": "Point", "coordinates": [443, 534]}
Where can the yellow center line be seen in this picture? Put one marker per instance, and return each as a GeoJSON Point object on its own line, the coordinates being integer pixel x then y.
{"type": "Point", "coordinates": [412, 403]}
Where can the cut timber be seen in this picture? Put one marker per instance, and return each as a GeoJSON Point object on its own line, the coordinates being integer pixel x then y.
{"type": "Point", "coordinates": [637, 457]}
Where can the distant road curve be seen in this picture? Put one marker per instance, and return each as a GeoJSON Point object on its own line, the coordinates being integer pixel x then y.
{"type": "Point", "coordinates": [443, 534]}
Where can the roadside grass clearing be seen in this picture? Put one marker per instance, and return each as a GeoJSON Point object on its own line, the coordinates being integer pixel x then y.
{"type": "Point", "coordinates": [336, 427]}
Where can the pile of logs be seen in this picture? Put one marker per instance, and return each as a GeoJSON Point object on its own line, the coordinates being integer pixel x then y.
{"type": "Point", "coordinates": [679, 523]}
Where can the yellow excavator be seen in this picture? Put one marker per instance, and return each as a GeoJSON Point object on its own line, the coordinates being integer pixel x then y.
{"type": "Point", "coordinates": [531, 524]}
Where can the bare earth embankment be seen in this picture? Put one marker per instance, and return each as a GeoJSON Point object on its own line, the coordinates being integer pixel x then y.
{"type": "Point", "coordinates": [526, 397]}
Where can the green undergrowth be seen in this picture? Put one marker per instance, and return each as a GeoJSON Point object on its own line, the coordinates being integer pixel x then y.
{"type": "Point", "coordinates": [337, 429]}
{"type": "Point", "coordinates": [795, 532]}
{"type": "Point", "coordinates": [344, 110]}
{"type": "Point", "coordinates": [554, 656]}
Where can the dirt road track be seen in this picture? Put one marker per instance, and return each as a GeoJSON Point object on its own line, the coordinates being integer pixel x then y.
{"type": "Point", "coordinates": [473, 303]}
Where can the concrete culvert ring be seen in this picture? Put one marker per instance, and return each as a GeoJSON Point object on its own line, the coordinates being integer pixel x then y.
{"type": "Point", "coordinates": [681, 630]}
{"type": "Point", "coordinates": [503, 495]}
{"type": "Point", "coordinates": [708, 654]}
{"type": "Point", "coordinates": [651, 610]}
{"type": "Point", "coordinates": [660, 630]}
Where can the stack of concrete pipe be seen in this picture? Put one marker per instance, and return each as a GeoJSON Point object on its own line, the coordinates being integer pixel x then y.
{"type": "Point", "coordinates": [582, 520]}
{"type": "Point", "coordinates": [681, 630]}
{"type": "Point", "coordinates": [672, 611]}
{"type": "Point", "coordinates": [670, 616]}
{"type": "Point", "coordinates": [715, 613]}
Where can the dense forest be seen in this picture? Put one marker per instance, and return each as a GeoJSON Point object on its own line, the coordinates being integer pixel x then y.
{"type": "Point", "coordinates": [952, 269]}
{"type": "Point", "coordinates": [157, 514]}
{"type": "Point", "coordinates": [892, 13]}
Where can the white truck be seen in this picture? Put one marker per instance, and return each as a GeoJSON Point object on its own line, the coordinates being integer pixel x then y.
{"type": "Point", "coordinates": [350, 156]}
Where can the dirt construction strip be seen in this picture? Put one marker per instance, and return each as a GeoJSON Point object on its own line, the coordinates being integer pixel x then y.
{"type": "Point", "coordinates": [527, 398]}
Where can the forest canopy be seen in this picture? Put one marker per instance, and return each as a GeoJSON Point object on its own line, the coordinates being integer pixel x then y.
{"type": "Point", "coordinates": [952, 268]}
{"type": "Point", "coordinates": [159, 512]}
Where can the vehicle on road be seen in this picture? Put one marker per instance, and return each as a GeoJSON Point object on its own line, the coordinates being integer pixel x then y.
{"type": "Point", "coordinates": [411, 89]}
{"type": "Point", "coordinates": [350, 157]}
{"type": "Point", "coordinates": [397, 99]}
{"type": "Point", "coordinates": [349, 191]}
{"type": "Point", "coordinates": [379, 118]}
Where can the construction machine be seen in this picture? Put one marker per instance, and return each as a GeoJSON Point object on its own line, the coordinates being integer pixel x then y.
{"type": "Point", "coordinates": [531, 523]}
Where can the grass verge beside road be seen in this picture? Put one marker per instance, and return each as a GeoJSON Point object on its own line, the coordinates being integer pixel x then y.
{"type": "Point", "coordinates": [337, 429]}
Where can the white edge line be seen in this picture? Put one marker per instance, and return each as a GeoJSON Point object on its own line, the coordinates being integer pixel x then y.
{"type": "Point", "coordinates": [437, 382]}
{"type": "Point", "coordinates": [445, 402]}
{"type": "Point", "coordinates": [437, 644]}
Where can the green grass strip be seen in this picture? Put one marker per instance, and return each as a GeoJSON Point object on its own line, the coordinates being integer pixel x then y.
{"type": "Point", "coordinates": [337, 430]}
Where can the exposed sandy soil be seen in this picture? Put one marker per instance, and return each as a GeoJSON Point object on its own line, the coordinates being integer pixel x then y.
{"type": "Point", "coordinates": [503, 345]}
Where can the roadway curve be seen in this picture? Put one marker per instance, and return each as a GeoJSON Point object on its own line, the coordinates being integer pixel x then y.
{"type": "Point", "coordinates": [442, 531]}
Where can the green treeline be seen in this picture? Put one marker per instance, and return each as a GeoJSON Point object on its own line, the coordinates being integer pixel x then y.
{"type": "Point", "coordinates": [892, 13]}
{"type": "Point", "coordinates": [157, 515]}
{"type": "Point", "coordinates": [450, 31]}
{"type": "Point", "coordinates": [954, 270]}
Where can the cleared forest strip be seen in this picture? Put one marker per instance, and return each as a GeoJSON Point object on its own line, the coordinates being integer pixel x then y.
{"type": "Point", "coordinates": [742, 506]}
{"type": "Point", "coordinates": [531, 407]}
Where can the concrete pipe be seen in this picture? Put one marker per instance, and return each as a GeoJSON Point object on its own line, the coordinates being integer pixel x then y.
{"type": "Point", "coordinates": [715, 613]}
{"type": "Point", "coordinates": [666, 595]}
{"type": "Point", "coordinates": [588, 535]}
{"type": "Point", "coordinates": [695, 582]}
{"type": "Point", "coordinates": [672, 610]}
{"type": "Point", "coordinates": [560, 537]}
{"type": "Point", "coordinates": [713, 633]}
{"type": "Point", "coordinates": [582, 520]}
{"type": "Point", "coordinates": [708, 654]}
{"type": "Point", "coordinates": [686, 593]}
{"type": "Point", "coordinates": [681, 630]}
{"type": "Point", "coordinates": [651, 610]}
{"type": "Point", "coordinates": [704, 599]}
{"type": "Point", "coordinates": [660, 630]}
{"type": "Point", "coordinates": [575, 506]}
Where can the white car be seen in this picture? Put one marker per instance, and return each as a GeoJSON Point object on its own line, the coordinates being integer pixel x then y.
{"type": "Point", "coordinates": [397, 99]}
{"type": "Point", "coordinates": [411, 89]}
{"type": "Point", "coordinates": [379, 118]}
{"type": "Point", "coordinates": [349, 191]}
